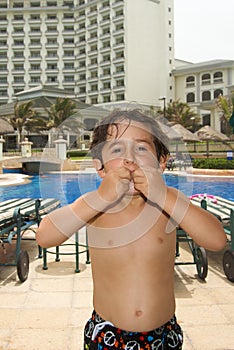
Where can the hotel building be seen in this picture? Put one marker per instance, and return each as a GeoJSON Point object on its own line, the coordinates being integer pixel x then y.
{"type": "Point", "coordinates": [99, 51]}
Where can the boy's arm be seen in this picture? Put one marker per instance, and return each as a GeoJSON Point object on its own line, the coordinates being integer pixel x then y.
{"type": "Point", "coordinates": [59, 225]}
{"type": "Point", "coordinates": [203, 227]}
{"type": "Point", "coordinates": [56, 227]}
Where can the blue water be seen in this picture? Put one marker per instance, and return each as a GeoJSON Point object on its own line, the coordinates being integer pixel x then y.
{"type": "Point", "coordinates": [68, 187]}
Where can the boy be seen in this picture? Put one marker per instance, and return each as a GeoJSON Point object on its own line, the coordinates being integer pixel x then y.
{"type": "Point", "coordinates": [131, 223]}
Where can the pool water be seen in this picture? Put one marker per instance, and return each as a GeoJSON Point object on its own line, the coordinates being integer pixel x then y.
{"type": "Point", "coordinates": [68, 187]}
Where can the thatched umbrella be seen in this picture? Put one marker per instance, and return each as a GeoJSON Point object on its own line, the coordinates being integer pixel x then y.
{"type": "Point", "coordinates": [5, 127]}
{"type": "Point", "coordinates": [207, 133]}
{"type": "Point", "coordinates": [171, 134]}
{"type": "Point", "coordinates": [186, 135]}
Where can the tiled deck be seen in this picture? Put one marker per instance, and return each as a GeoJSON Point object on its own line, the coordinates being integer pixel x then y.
{"type": "Point", "coordinates": [49, 310]}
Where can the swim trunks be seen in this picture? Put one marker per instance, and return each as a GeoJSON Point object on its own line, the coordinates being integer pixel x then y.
{"type": "Point", "coordinates": [103, 335]}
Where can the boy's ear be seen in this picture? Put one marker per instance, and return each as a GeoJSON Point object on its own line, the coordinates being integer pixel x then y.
{"type": "Point", "coordinates": [163, 163]}
{"type": "Point", "coordinates": [99, 167]}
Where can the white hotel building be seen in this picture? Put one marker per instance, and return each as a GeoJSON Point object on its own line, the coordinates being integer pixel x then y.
{"type": "Point", "coordinates": [105, 52]}
{"type": "Point", "coordinates": [99, 51]}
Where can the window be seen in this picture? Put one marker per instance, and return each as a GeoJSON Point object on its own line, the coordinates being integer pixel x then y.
{"type": "Point", "coordinates": [51, 41]}
{"type": "Point", "coordinates": [82, 90]}
{"type": "Point", "coordinates": [51, 3]}
{"type": "Point", "coordinates": [106, 58]}
{"type": "Point", "coordinates": [52, 29]}
{"type": "Point", "coordinates": [69, 41]}
{"type": "Point", "coordinates": [18, 54]}
{"type": "Point", "coordinates": [18, 17]}
{"type": "Point", "coordinates": [35, 4]}
{"type": "Point", "coordinates": [119, 27]}
{"type": "Point", "coordinates": [18, 42]}
{"type": "Point", "coordinates": [190, 97]}
{"type": "Point", "coordinates": [35, 67]}
{"type": "Point", "coordinates": [119, 69]}
{"type": "Point", "coordinates": [82, 64]}
{"type": "Point", "coordinates": [18, 67]}
{"type": "Point", "coordinates": [3, 92]}
{"type": "Point", "coordinates": [19, 79]}
{"type": "Point", "coordinates": [94, 87]}
{"type": "Point", "coordinates": [51, 16]}
{"type": "Point", "coordinates": [93, 61]}
{"type": "Point", "coordinates": [218, 92]}
{"type": "Point", "coordinates": [218, 77]}
{"type": "Point", "coordinates": [69, 28]}
{"type": "Point", "coordinates": [35, 54]}
{"type": "Point", "coordinates": [93, 35]}
{"type": "Point", "coordinates": [106, 85]}
{"type": "Point", "coordinates": [94, 74]}
{"type": "Point", "coordinates": [82, 76]}
{"type": "Point", "coordinates": [69, 53]}
{"type": "Point", "coordinates": [51, 53]}
{"type": "Point", "coordinates": [94, 100]}
{"type": "Point", "coordinates": [93, 47]}
{"type": "Point", "coordinates": [119, 13]}
{"type": "Point", "coordinates": [52, 66]}
{"type": "Point", "coordinates": [119, 54]}
{"type": "Point", "coordinates": [82, 38]}
{"type": "Point", "coordinates": [35, 17]}
{"type": "Point", "coordinates": [120, 97]}
{"type": "Point", "coordinates": [106, 71]}
{"type": "Point", "coordinates": [69, 65]}
{"type": "Point", "coordinates": [68, 15]}
{"type": "Point", "coordinates": [68, 78]}
{"type": "Point", "coordinates": [35, 80]}
{"type": "Point", "coordinates": [52, 79]}
{"type": "Point", "coordinates": [206, 96]}
{"type": "Point", "coordinates": [3, 67]}
{"type": "Point", "coordinates": [106, 31]}
{"type": "Point", "coordinates": [120, 82]}
{"type": "Point", "coordinates": [190, 81]}
{"type": "Point", "coordinates": [206, 79]}
{"type": "Point", "coordinates": [106, 98]}
{"type": "Point", "coordinates": [18, 4]}
{"type": "Point", "coordinates": [82, 51]}
{"type": "Point", "coordinates": [93, 21]}
{"type": "Point", "coordinates": [119, 40]}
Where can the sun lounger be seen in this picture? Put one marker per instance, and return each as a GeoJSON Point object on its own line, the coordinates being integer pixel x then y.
{"type": "Point", "coordinates": [223, 209]}
{"type": "Point", "coordinates": [16, 217]}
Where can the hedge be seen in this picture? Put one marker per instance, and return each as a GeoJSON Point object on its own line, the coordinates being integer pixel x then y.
{"type": "Point", "coordinates": [77, 153]}
{"type": "Point", "coordinates": [213, 163]}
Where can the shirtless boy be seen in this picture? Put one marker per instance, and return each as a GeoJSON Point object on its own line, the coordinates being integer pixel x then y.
{"type": "Point", "coordinates": [131, 221]}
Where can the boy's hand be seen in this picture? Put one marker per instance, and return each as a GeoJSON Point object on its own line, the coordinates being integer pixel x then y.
{"type": "Point", "coordinates": [115, 184]}
{"type": "Point", "coordinates": [150, 183]}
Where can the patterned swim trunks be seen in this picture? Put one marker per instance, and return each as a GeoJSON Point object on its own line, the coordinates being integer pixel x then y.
{"type": "Point", "coordinates": [102, 335]}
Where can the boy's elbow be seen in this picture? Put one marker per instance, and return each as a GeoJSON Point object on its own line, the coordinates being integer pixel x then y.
{"type": "Point", "coordinates": [220, 243]}
{"type": "Point", "coordinates": [40, 238]}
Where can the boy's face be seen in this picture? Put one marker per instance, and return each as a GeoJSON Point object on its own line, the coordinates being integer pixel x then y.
{"type": "Point", "coordinates": [132, 148]}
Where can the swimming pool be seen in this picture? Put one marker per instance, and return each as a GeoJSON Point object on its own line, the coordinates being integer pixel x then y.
{"type": "Point", "coordinates": [68, 187]}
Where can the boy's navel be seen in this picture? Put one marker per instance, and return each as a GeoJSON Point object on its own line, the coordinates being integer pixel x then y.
{"type": "Point", "coordinates": [139, 313]}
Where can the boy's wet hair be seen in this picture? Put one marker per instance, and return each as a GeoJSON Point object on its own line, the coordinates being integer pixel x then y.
{"type": "Point", "coordinates": [102, 131]}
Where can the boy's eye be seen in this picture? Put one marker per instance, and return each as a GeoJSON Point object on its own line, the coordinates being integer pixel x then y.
{"type": "Point", "coordinates": [141, 149]}
{"type": "Point", "coordinates": [116, 150]}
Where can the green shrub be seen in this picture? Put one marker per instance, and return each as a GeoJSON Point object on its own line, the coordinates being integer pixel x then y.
{"type": "Point", "coordinates": [213, 163]}
{"type": "Point", "coordinates": [76, 153]}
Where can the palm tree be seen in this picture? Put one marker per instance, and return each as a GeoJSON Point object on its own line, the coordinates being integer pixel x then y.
{"type": "Point", "coordinates": [225, 105]}
{"type": "Point", "coordinates": [23, 113]}
{"type": "Point", "coordinates": [179, 112]}
{"type": "Point", "coordinates": [59, 112]}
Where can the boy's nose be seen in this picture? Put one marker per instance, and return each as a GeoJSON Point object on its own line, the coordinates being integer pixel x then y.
{"type": "Point", "coordinates": [130, 164]}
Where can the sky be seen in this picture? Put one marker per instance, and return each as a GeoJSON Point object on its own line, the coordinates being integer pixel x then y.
{"type": "Point", "coordinates": [204, 30]}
